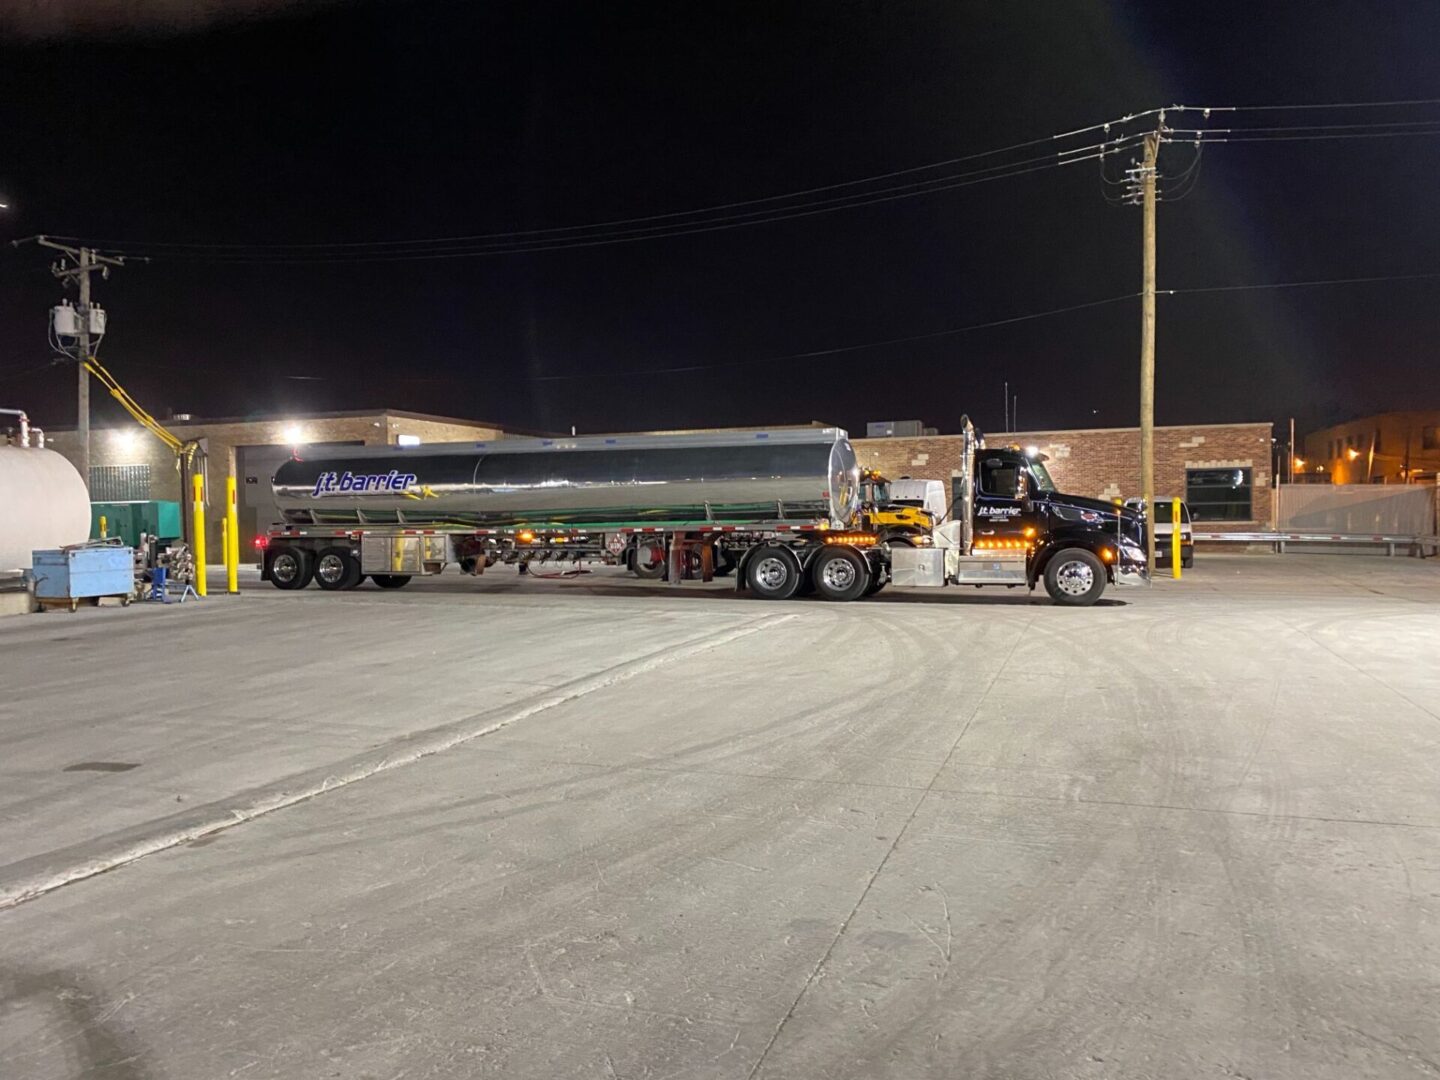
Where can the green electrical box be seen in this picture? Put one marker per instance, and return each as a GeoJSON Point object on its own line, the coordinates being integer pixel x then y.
{"type": "Point", "coordinates": [128, 520]}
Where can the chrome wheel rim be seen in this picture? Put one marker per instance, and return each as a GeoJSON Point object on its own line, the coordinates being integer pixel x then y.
{"type": "Point", "coordinates": [772, 573]}
{"type": "Point", "coordinates": [838, 574]}
{"type": "Point", "coordinates": [1075, 578]}
{"type": "Point", "coordinates": [285, 568]}
{"type": "Point", "coordinates": [330, 569]}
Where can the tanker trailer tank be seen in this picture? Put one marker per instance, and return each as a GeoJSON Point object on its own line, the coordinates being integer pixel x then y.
{"type": "Point", "coordinates": [734, 477]}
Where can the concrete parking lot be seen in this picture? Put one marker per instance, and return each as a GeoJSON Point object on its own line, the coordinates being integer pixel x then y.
{"type": "Point", "coordinates": [601, 828]}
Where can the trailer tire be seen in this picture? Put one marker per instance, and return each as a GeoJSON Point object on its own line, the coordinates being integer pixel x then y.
{"type": "Point", "coordinates": [840, 573]}
{"type": "Point", "coordinates": [336, 568]}
{"type": "Point", "coordinates": [391, 581]}
{"type": "Point", "coordinates": [1074, 577]}
{"type": "Point", "coordinates": [649, 559]}
{"type": "Point", "coordinates": [773, 573]}
{"type": "Point", "coordinates": [289, 567]}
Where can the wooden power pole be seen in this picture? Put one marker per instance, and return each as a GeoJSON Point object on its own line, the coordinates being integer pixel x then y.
{"type": "Point", "coordinates": [87, 261]}
{"type": "Point", "coordinates": [1147, 347]}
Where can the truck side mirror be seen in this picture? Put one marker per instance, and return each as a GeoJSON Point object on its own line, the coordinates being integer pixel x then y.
{"type": "Point", "coordinates": [1022, 489]}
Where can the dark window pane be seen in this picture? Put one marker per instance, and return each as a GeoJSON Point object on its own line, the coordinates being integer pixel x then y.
{"type": "Point", "coordinates": [1219, 494]}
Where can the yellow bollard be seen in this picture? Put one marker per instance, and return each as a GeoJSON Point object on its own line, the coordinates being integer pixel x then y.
{"type": "Point", "coordinates": [198, 483]}
{"type": "Point", "coordinates": [232, 538]}
{"type": "Point", "coordinates": [103, 531]}
{"type": "Point", "coordinates": [1175, 538]}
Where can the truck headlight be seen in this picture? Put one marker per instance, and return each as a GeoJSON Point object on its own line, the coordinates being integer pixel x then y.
{"type": "Point", "coordinates": [1132, 553]}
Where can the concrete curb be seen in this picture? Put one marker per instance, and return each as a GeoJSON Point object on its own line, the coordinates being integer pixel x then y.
{"type": "Point", "coordinates": [40, 874]}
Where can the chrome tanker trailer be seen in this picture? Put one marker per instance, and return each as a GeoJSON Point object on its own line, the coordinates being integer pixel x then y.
{"type": "Point", "coordinates": [781, 508]}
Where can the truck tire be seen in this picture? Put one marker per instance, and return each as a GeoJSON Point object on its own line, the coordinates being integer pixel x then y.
{"type": "Point", "coordinates": [840, 573]}
{"type": "Point", "coordinates": [336, 568]}
{"type": "Point", "coordinates": [773, 573]}
{"type": "Point", "coordinates": [289, 567]}
{"type": "Point", "coordinates": [649, 560]}
{"type": "Point", "coordinates": [391, 581]}
{"type": "Point", "coordinates": [1074, 577]}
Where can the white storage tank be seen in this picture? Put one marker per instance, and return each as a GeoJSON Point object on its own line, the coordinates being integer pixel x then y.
{"type": "Point", "coordinates": [43, 504]}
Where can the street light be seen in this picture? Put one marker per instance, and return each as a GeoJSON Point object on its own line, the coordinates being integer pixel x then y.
{"type": "Point", "coordinates": [1300, 463]}
{"type": "Point", "coordinates": [1352, 453]}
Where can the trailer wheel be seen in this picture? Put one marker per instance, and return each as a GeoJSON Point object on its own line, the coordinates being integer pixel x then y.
{"type": "Point", "coordinates": [840, 573]}
{"type": "Point", "coordinates": [773, 573]}
{"type": "Point", "coordinates": [391, 581]}
{"type": "Point", "coordinates": [648, 559]}
{"type": "Point", "coordinates": [1074, 577]}
{"type": "Point", "coordinates": [289, 568]}
{"type": "Point", "coordinates": [336, 568]}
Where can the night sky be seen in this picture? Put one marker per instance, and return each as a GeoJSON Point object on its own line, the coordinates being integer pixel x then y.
{"type": "Point", "coordinates": [356, 122]}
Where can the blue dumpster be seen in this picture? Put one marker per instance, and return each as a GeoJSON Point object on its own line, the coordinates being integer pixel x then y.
{"type": "Point", "coordinates": [65, 576]}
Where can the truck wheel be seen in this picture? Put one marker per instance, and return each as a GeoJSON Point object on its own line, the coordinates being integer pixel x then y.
{"type": "Point", "coordinates": [391, 581]}
{"type": "Point", "coordinates": [290, 568]}
{"type": "Point", "coordinates": [840, 573]}
{"type": "Point", "coordinates": [1075, 577]}
{"type": "Point", "coordinates": [1187, 561]}
{"type": "Point", "coordinates": [336, 568]}
{"type": "Point", "coordinates": [773, 573]}
{"type": "Point", "coordinates": [648, 560]}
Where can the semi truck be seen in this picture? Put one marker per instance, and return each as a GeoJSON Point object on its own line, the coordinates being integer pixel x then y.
{"type": "Point", "coordinates": [783, 510]}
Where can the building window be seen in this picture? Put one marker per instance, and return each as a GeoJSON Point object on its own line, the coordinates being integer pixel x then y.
{"type": "Point", "coordinates": [119, 483]}
{"type": "Point", "coordinates": [1427, 438]}
{"type": "Point", "coordinates": [1219, 494]}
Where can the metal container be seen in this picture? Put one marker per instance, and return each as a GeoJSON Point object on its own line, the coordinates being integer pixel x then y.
{"type": "Point", "coordinates": [43, 504]}
{"type": "Point", "coordinates": [89, 571]}
{"type": "Point", "coordinates": [734, 477]}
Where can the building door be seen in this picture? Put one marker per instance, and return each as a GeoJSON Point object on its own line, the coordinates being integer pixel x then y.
{"type": "Point", "coordinates": [254, 498]}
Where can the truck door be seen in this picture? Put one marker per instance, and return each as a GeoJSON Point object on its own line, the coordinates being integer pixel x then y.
{"type": "Point", "coordinates": [999, 499]}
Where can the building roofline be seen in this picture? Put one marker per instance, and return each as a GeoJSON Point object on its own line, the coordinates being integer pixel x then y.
{"type": "Point", "coordinates": [1067, 431]}
{"type": "Point", "coordinates": [344, 414]}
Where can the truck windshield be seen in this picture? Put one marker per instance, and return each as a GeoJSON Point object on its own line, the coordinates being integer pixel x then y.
{"type": "Point", "coordinates": [1042, 477]}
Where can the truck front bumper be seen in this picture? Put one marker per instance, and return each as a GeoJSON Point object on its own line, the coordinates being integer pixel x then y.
{"type": "Point", "coordinates": [1130, 569]}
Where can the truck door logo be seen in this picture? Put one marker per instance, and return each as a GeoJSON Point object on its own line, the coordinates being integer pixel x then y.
{"type": "Point", "coordinates": [348, 483]}
{"type": "Point", "coordinates": [1006, 512]}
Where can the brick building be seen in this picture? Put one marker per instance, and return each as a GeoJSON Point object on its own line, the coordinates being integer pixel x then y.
{"type": "Point", "coordinates": [128, 463]}
{"type": "Point", "coordinates": [1390, 448]}
{"type": "Point", "coordinates": [1221, 470]}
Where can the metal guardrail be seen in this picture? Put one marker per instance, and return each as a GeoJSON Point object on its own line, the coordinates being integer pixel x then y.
{"type": "Point", "coordinates": [1417, 544]}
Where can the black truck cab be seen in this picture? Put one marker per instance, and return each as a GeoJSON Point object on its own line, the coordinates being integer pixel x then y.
{"type": "Point", "coordinates": [1018, 504]}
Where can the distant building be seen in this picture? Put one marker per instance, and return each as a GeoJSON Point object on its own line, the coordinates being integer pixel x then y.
{"type": "Point", "coordinates": [1390, 448]}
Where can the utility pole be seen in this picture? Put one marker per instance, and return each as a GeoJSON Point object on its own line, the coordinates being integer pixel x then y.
{"type": "Point", "coordinates": [1147, 346]}
{"type": "Point", "coordinates": [90, 323]}
{"type": "Point", "coordinates": [82, 385]}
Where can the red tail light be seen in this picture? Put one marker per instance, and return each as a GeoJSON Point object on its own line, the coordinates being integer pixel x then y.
{"type": "Point", "coordinates": [261, 543]}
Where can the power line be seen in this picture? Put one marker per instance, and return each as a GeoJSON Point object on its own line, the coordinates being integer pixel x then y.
{"type": "Point", "coordinates": [1301, 284]}
{"type": "Point", "coordinates": [1332, 105]}
{"type": "Point", "coordinates": [817, 353]}
{"type": "Point", "coordinates": [566, 229]}
{"type": "Point", "coordinates": [259, 257]}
